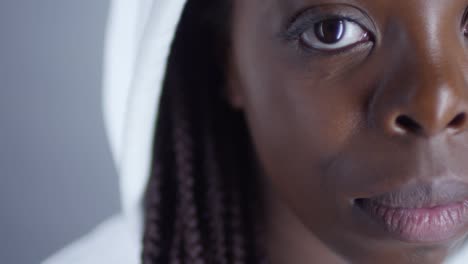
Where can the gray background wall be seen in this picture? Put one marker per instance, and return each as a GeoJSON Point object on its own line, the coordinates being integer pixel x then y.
{"type": "Point", "coordinates": [57, 178]}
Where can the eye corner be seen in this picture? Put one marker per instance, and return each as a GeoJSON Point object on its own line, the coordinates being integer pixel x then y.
{"type": "Point", "coordinates": [465, 29]}
{"type": "Point", "coordinates": [464, 22]}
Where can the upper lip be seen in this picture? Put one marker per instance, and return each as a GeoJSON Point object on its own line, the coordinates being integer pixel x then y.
{"type": "Point", "coordinates": [423, 195]}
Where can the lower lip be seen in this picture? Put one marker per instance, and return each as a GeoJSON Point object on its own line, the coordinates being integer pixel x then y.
{"type": "Point", "coordinates": [419, 225]}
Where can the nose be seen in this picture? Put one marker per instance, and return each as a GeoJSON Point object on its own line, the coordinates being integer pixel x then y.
{"type": "Point", "coordinates": [424, 97]}
{"type": "Point", "coordinates": [414, 122]}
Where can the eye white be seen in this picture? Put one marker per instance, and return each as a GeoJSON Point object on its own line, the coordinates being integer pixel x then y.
{"type": "Point", "coordinates": [352, 33]}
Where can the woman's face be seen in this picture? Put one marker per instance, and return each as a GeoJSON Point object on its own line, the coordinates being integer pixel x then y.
{"type": "Point", "coordinates": [358, 112]}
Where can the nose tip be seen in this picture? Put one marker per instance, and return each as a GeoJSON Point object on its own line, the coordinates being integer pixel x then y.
{"type": "Point", "coordinates": [405, 124]}
{"type": "Point", "coordinates": [430, 101]}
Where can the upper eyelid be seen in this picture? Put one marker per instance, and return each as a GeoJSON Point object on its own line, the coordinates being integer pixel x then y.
{"type": "Point", "coordinates": [296, 29]}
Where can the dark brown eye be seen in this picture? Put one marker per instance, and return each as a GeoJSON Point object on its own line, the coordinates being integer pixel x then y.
{"type": "Point", "coordinates": [334, 34]}
{"type": "Point", "coordinates": [330, 31]}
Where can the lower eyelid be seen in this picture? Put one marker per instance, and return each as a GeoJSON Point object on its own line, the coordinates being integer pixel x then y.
{"type": "Point", "coordinates": [331, 52]}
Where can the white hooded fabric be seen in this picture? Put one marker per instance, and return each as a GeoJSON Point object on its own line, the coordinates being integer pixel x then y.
{"type": "Point", "coordinates": [139, 37]}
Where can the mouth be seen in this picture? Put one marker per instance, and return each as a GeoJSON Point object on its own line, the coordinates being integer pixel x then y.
{"type": "Point", "coordinates": [421, 214]}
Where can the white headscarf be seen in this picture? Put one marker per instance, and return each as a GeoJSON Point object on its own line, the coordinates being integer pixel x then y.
{"type": "Point", "coordinates": [138, 43]}
{"type": "Point", "coordinates": [140, 33]}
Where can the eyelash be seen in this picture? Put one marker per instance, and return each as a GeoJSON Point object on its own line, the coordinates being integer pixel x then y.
{"type": "Point", "coordinates": [300, 26]}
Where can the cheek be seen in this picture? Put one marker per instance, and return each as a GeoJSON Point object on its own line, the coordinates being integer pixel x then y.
{"type": "Point", "coordinates": [298, 124]}
{"type": "Point", "coordinates": [302, 114]}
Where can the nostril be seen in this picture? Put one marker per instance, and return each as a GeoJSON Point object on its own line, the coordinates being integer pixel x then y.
{"type": "Point", "coordinates": [458, 122]}
{"type": "Point", "coordinates": [407, 124]}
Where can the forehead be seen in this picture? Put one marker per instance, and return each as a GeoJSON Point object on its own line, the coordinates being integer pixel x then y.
{"type": "Point", "coordinates": [373, 4]}
{"type": "Point", "coordinates": [421, 17]}
{"type": "Point", "coordinates": [374, 8]}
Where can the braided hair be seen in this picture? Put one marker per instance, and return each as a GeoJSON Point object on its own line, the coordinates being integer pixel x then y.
{"type": "Point", "coordinates": [202, 200]}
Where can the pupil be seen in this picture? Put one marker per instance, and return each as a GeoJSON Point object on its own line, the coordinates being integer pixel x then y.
{"type": "Point", "coordinates": [330, 31]}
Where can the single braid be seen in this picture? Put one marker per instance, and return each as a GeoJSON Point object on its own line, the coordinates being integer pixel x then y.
{"type": "Point", "coordinates": [185, 175]}
{"type": "Point", "coordinates": [152, 237]}
{"type": "Point", "coordinates": [238, 243]}
{"type": "Point", "coordinates": [176, 251]}
{"type": "Point", "coordinates": [216, 198]}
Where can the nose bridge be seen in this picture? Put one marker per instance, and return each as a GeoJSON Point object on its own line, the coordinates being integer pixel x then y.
{"type": "Point", "coordinates": [424, 87]}
{"type": "Point", "coordinates": [437, 92]}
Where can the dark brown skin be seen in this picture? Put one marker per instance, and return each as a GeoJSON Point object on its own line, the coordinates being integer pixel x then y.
{"type": "Point", "coordinates": [325, 124]}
